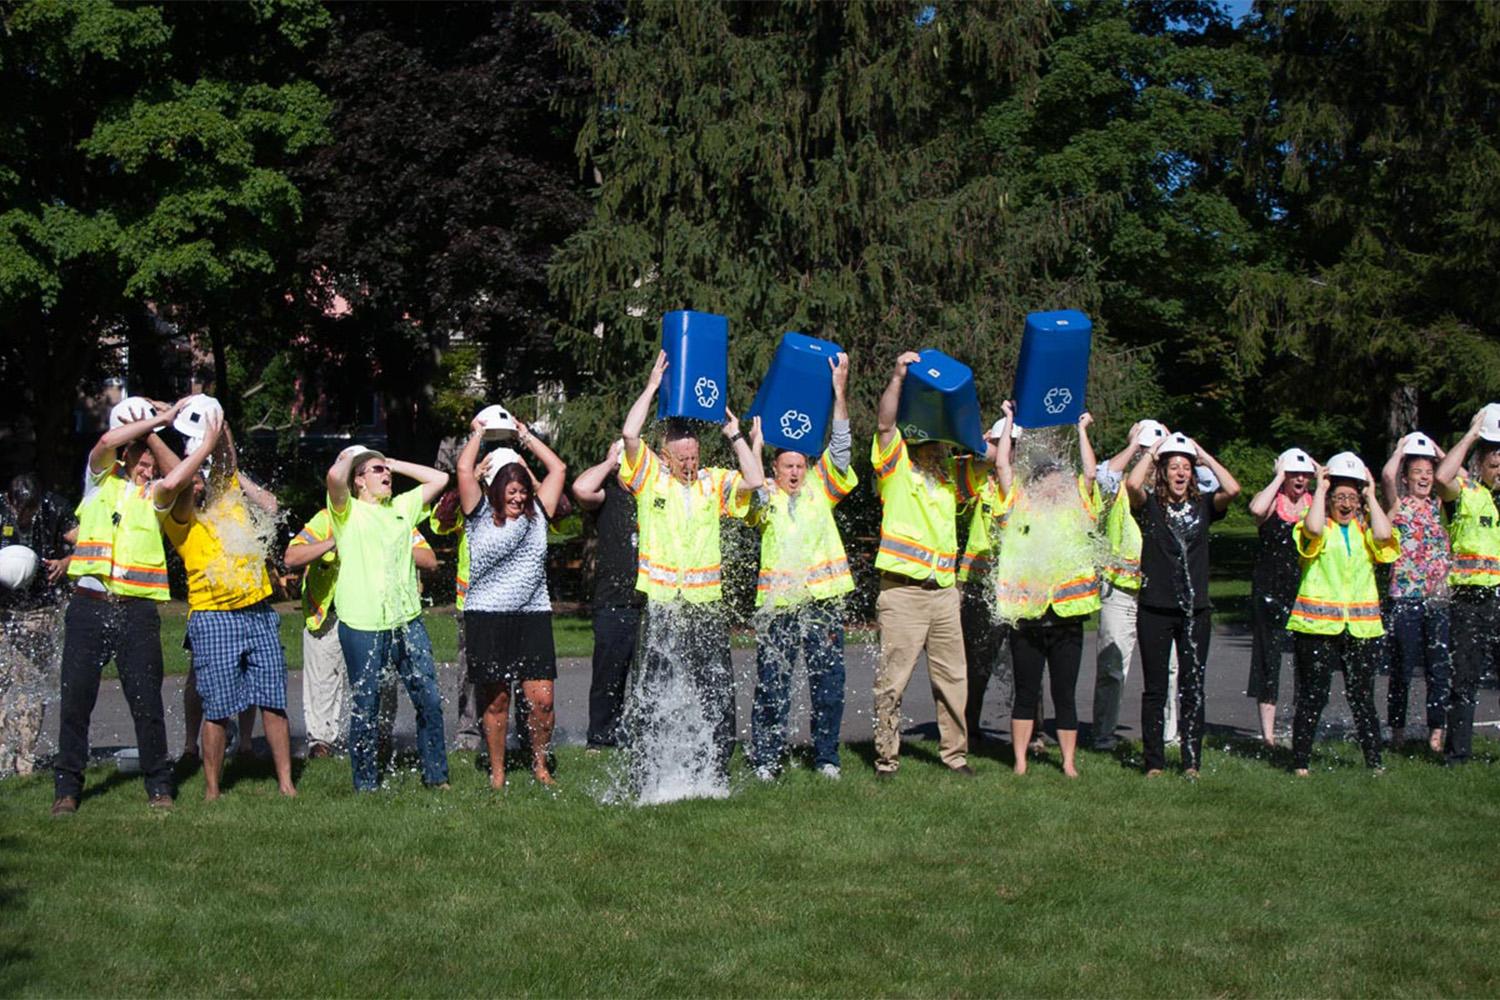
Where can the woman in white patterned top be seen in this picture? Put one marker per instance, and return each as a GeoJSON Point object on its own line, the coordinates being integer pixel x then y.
{"type": "Point", "coordinates": [507, 615]}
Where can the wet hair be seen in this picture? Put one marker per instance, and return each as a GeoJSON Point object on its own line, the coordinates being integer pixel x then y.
{"type": "Point", "coordinates": [1482, 452]}
{"type": "Point", "coordinates": [24, 488]}
{"type": "Point", "coordinates": [1041, 470]}
{"type": "Point", "coordinates": [1160, 469]}
{"type": "Point", "coordinates": [678, 429]}
{"type": "Point", "coordinates": [514, 472]}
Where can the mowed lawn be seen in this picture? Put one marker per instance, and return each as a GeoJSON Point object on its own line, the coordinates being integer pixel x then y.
{"type": "Point", "coordinates": [1247, 883]}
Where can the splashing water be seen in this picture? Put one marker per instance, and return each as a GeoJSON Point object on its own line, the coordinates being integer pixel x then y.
{"type": "Point", "coordinates": [245, 533]}
{"type": "Point", "coordinates": [30, 671]}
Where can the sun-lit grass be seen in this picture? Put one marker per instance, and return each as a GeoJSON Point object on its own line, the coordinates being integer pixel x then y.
{"type": "Point", "coordinates": [1246, 883]}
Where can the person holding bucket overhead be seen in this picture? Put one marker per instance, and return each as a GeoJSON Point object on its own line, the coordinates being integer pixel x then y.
{"type": "Point", "coordinates": [1046, 583]}
{"type": "Point", "coordinates": [919, 607]}
{"type": "Point", "coordinates": [1174, 606]}
{"type": "Point", "coordinates": [679, 505]}
{"type": "Point", "coordinates": [804, 576]}
{"type": "Point", "coordinates": [1475, 578]}
{"type": "Point", "coordinates": [1274, 578]}
{"type": "Point", "coordinates": [985, 635]}
{"type": "Point", "coordinates": [379, 606]}
{"type": "Point", "coordinates": [1417, 616]}
{"type": "Point", "coordinates": [1335, 619]}
{"type": "Point", "coordinates": [507, 613]}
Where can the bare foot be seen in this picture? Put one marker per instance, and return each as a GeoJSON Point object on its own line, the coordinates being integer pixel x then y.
{"type": "Point", "coordinates": [1435, 741]}
{"type": "Point", "coordinates": [497, 779]}
{"type": "Point", "coordinates": [1021, 764]}
{"type": "Point", "coordinates": [544, 776]}
{"type": "Point", "coordinates": [211, 795]}
{"type": "Point", "coordinates": [288, 790]}
{"type": "Point", "coordinates": [1155, 772]}
{"type": "Point", "coordinates": [1070, 770]}
{"type": "Point", "coordinates": [1302, 772]}
{"type": "Point", "coordinates": [1191, 774]}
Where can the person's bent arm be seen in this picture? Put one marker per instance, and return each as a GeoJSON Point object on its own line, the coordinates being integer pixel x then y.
{"type": "Point", "coordinates": [299, 554]}
{"type": "Point", "coordinates": [1229, 487]}
{"type": "Point", "coordinates": [259, 495]}
{"type": "Point", "coordinates": [170, 488]}
{"type": "Point", "coordinates": [1005, 472]}
{"type": "Point", "coordinates": [1317, 514]}
{"type": "Point", "coordinates": [1389, 473]}
{"type": "Point", "coordinates": [469, 490]}
{"type": "Point", "coordinates": [635, 420]}
{"type": "Point", "coordinates": [1120, 460]}
{"type": "Point", "coordinates": [1086, 453]}
{"type": "Point", "coordinates": [337, 479]}
{"type": "Point", "coordinates": [1453, 462]}
{"type": "Point", "coordinates": [1380, 525]}
{"type": "Point", "coordinates": [549, 492]}
{"type": "Point", "coordinates": [752, 477]}
{"type": "Point", "coordinates": [425, 558]}
{"type": "Point", "coordinates": [104, 454]}
{"type": "Point", "coordinates": [433, 481]}
{"type": "Point", "coordinates": [1135, 483]}
{"type": "Point", "coordinates": [890, 399]}
{"type": "Point", "coordinates": [840, 449]}
{"type": "Point", "coordinates": [1264, 502]}
{"type": "Point", "coordinates": [588, 488]}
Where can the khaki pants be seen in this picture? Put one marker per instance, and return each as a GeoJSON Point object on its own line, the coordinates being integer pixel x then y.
{"type": "Point", "coordinates": [325, 692]}
{"type": "Point", "coordinates": [910, 619]}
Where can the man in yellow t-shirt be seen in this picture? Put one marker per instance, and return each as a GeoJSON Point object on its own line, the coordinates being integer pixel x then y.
{"type": "Point", "coordinates": [233, 631]}
{"type": "Point", "coordinates": [678, 509]}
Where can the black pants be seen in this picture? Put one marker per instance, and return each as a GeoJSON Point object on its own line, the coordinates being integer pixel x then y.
{"type": "Point", "coordinates": [683, 646]}
{"type": "Point", "coordinates": [1268, 616]}
{"type": "Point", "coordinates": [614, 648]}
{"type": "Point", "coordinates": [1318, 658]}
{"type": "Point", "coordinates": [1056, 644]}
{"type": "Point", "coordinates": [129, 632]}
{"type": "Point", "coordinates": [1157, 631]}
{"type": "Point", "coordinates": [984, 638]}
{"type": "Point", "coordinates": [1476, 648]}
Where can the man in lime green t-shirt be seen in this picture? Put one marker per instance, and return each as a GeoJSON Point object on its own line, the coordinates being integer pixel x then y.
{"type": "Point", "coordinates": [378, 604]}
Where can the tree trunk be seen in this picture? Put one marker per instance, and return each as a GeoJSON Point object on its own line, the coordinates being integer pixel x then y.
{"type": "Point", "coordinates": [1401, 419]}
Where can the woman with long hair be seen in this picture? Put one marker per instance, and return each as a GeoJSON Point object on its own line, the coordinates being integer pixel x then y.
{"type": "Point", "coordinates": [507, 613]}
{"type": "Point", "coordinates": [1273, 581]}
{"type": "Point", "coordinates": [1174, 606]}
{"type": "Point", "coordinates": [1417, 615]}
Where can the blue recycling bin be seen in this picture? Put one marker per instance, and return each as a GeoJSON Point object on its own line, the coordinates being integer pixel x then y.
{"type": "Point", "coordinates": [697, 379]}
{"type": "Point", "coordinates": [795, 401]}
{"type": "Point", "coordinates": [938, 402]}
{"type": "Point", "coordinates": [1052, 373]}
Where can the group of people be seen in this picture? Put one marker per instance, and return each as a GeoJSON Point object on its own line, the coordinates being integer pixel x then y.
{"type": "Point", "coordinates": [981, 556]}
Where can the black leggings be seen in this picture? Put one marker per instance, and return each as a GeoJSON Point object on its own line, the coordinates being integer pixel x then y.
{"type": "Point", "coordinates": [1318, 657]}
{"type": "Point", "coordinates": [1268, 616]}
{"type": "Point", "coordinates": [1157, 630]}
{"type": "Point", "coordinates": [1054, 643]}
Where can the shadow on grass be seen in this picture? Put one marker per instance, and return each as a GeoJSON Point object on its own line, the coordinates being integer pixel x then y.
{"type": "Point", "coordinates": [14, 956]}
{"type": "Point", "coordinates": [251, 767]}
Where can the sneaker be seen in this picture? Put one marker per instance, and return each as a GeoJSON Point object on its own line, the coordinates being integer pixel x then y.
{"type": "Point", "coordinates": [163, 803]}
{"type": "Point", "coordinates": [319, 751]}
{"type": "Point", "coordinates": [830, 771]}
{"type": "Point", "coordinates": [765, 773]}
{"type": "Point", "coordinates": [1106, 745]}
{"type": "Point", "coordinates": [65, 806]}
{"type": "Point", "coordinates": [883, 775]}
{"type": "Point", "coordinates": [963, 771]}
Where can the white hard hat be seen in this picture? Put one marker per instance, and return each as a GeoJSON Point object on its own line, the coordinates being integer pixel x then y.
{"type": "Point", "coordinates": [1347, 465]}
{"type": "Point", "coordinates": [499, 425]}
{"type": "Point", "coordinates": [17, 567]}
{"type": "Point", "coordinates": [995, 428]}
{"type": "Point", "coordinates": [1151, 432]}
{"type": "Point", "coordinates": [192, 419]}
{"type": "Point", "coordinates": [1177, 444]}
{"type": "Point", "coordinates": [497, 460]}
{"type": "Point", "coordinates": [1419, 445]}
{"type": "Point", "coordinates": [1207, 481]}
{"type": "Point", "coordinates": [129, 410]}
{"type": "Point", "coordinates": [1296, 460]}
{"type": "Point", "coordinates": [1489, 424]}
{"type": "Point", "coordinates": [358, 455]}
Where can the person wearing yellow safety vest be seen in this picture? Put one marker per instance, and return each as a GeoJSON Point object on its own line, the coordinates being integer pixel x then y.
{"type": "Point", "coordinates": [233, 631]}
{"type": "Point", "coordinates": [1174, 607]}
{"type": "Point", "coordinates": [984, 635]}
{"type": "Point", "coordinates": [1335, 619]}
{"type": "Point", "coordinates": [1120, 589]}
{"type": "Point", "coordinates": [678, 509]}
{"type": "Point", "coordinates": [919, 607]}
{"type": "Point", "coordinates": [804, 575]}
{"type": "Point", "coordinates": [1046, 584]}
{"type": "Point", "coordinates": [379, 604]}
{"type": "Point", "coordinates": [119, 572]}
{"type": "Point", "coordinates": [1475, 577]}
{"type": "Point", "coordinates": [325, 684]}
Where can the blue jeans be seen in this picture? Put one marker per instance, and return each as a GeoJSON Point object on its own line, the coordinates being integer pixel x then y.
{"type": "Point", "coordinates": [816, 628]}
{"type": "Point", "coordinates": [1418, 637]}
{"type": "Point", "coordinates": [407, 651]}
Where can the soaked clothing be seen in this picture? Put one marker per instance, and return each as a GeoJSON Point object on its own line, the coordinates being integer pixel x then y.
{"type": "Point", "coordinates": [615, 556]}
{"type": "Point", "coordinates": [1174, 552]}
{"type": "Point", "coordinates": [1273, 588]}
{"type": "Point", "coordinates": [1053, 644]}
{"type": "Point", "coordinates": [1421, 570]}
{"type": "Point", "coordinates": [1159, 632]}
{"type": "Point", "coordinates": [42, 533]}
{"type": "Point", "coordinates": [1318, 658]}
{"type": "Point", "coordinates": [507, 562]}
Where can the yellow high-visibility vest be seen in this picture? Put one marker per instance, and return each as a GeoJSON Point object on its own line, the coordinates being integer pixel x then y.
{"type": "Point", "coordinates": [461, 577]}
{"type": "Point", "coordinates": [1474, 534]}
{"type": "Point", "coordinates": [801, 554]}
{"type": "Point", "coordinates": [918, 524]}
{"type": "Point", "coordinates": [678, 555]}
{"type": "Point", "coordinates": [322, 574]}
{"type": "Point", "coordinates": [1122, 567]}
{"type": "Point", "coordinates": [1047, 562]}
{"type": "Point", "coordinates": [1338, 590]}
{"type": "Point", "coordinates": [119, 541]}
{"type": "Point", "coordinates": [979, 549]}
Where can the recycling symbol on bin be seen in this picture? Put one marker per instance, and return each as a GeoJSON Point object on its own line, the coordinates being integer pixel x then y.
{"type": "Point", "coordinates": [1057, 399]}
{"type": "Point", "coordinates": [913, 432]}
{"type": "Point", "coordinates": [795, 424]}
{"type": "Point", "coordinates": [707, 391]}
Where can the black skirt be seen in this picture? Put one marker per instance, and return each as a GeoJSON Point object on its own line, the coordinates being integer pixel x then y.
{"type": "Point", "coordinates": [506, 646]}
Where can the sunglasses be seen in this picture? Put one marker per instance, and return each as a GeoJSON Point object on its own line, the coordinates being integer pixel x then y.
{"type": "Point", "coordinates": [375, 468]}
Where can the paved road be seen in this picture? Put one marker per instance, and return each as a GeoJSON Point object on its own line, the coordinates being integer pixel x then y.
{"type": "Point", "coordinates": [1230, 713]}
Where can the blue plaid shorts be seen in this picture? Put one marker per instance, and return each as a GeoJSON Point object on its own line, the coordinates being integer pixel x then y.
{"type": "Point", "coordinates": [237, 659]}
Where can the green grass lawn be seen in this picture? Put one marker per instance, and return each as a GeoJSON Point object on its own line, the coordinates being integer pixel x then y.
{"type": "Point", "coordinates": [1247, 883]}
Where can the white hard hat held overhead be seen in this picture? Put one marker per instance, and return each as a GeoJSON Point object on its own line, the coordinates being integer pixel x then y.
{"type": "Point", "coordinates": [1177, 444]}
{"type": "Point", "coordinates": [1419, 445]}
{"type": "Point", "coordinates": [1296, 460]}
{"type": "Point", "coordinates": [1347, 465]}
{"type": "Point", "coordinates": [1489, 423]}
{"type": "Point", "coordinates": [998, 426]}
{"type": "Point", "coordinates": [499, 425]}
{"type": "Point", "coordinates": [192, 420]}
{"type": "Point", "coordinates": [17, 567]}
{"type": "Point", "coordinates": [497, 460]}
{"type": "Point", "coordinates": [129, 410]}
{"type": "Point", "coordinates": [1151, 432]}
